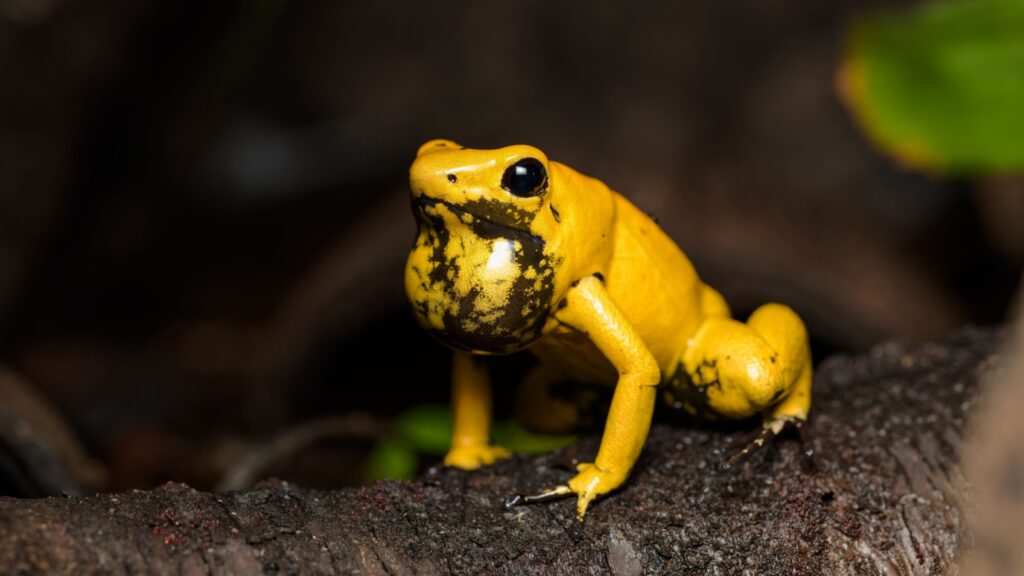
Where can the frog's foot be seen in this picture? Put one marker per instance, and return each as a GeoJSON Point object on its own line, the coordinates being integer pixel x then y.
{"type": "Point", "coordinates": [592, 482]}
{"type": "Point", "coordinates": [771, 430]}
{"type": "Point", "coordinates": [473, 456]}
{"type": "Point", "coordinates": [588, 484]}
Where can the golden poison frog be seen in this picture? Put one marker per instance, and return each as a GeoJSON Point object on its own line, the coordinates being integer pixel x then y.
{"type": "Point", "coordinates": [516, 251]}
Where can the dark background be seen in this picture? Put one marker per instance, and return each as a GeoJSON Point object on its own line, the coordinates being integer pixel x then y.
{"type": "Point", "coordinates": [203, 213]}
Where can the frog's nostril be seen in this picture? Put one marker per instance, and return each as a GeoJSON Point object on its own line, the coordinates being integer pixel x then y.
{"type": "Point", "coordinates": [437, 145]}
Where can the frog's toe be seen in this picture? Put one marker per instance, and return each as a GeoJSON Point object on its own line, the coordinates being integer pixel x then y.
{"type": "Point", "coordinates": [771, 430]}
{"type": "Point", "coordinates": [473, 457]}
{"type": "Point", "coordinates": [780, 424]}
{"type": "Point", "coordinates": [591, 482]}
{"type": "Point", "coordinates": [546, 496]}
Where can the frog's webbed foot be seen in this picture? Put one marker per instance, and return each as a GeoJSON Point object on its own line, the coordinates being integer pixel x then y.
{"type": "Point", "coordinates": [473, 456]}
{"type": "Point", "coordinates": [771, 430]}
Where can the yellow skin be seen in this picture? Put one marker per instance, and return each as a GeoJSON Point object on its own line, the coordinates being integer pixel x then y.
{"type": "Point", "coordinates": [519, 252]}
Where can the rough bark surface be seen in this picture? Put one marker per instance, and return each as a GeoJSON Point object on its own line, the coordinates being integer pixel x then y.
{"type": "Point", "coordinates": [883, 493]}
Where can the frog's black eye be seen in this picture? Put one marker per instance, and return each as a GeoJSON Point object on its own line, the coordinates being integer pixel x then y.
{"type": "Point", "coordinates": [526, 178]}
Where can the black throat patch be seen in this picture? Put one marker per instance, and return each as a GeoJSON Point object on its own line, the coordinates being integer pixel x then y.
{"type": "Point", "coordinates": [473, 319]}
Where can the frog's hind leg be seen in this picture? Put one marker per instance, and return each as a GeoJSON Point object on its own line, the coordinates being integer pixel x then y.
{"type": "Point", "coordinates": [783, 330]}
{"type": "Point", "coordinates": [541, 411]}
{"type": "Point", "coordinates": [762, 366]}
{"type": "Point", "coordinates": [790, 412]}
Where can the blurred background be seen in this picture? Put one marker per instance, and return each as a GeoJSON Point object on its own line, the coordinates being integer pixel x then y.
{"type": "Point", "coordinates": [204, 214]}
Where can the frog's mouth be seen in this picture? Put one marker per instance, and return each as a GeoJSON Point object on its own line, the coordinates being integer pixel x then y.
{"type": "Point", "coordinates": [487, 219]}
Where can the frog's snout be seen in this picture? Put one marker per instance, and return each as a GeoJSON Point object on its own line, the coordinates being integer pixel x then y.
{"type": "Point", "coordinates": [429, 175]}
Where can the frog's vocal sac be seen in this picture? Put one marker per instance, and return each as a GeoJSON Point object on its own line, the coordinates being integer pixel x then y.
{"type": "Point", "coordinates": [516, 251]}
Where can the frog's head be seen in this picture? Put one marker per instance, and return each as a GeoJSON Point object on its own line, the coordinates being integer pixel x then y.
{"type": "Point", "coordinates": [498, 242]}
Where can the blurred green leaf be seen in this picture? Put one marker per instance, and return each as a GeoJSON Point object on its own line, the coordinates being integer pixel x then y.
{"type": "Point", "coordinates": [511, 435]}
{"type": "Point", "coordinates": [429, 430]}
{"type": "Point", "coordinates": [427, 427]}
{"type": "Point", "coordinates": [391, 458]}
{"type": "Point", "coordinates": [941, 86]}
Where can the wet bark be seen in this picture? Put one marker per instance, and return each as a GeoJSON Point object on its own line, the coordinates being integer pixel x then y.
{"type": "Point", "coordinates": [882, 493]}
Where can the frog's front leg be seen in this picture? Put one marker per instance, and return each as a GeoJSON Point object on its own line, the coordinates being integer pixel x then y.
{"type": "Point", "coordinates": [589, 309]}
{"type": "Point", "coordinates": [471, 415]}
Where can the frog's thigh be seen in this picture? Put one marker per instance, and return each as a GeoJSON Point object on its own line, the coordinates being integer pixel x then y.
{"type": "Point", "coordinates": [748, 368]}
{"type": "Point", "coordinates": [538, 409]}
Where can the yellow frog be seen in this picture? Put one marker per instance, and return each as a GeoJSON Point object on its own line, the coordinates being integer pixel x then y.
{"type": "Point", "coordinates": [516, 252]}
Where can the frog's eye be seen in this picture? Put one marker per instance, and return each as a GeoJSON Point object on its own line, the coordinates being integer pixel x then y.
{"type": "Point", "coordinates": [526, 178]}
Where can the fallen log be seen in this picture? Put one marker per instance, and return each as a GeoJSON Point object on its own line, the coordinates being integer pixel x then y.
{"type": "Point", "coordinates": [872, 486]}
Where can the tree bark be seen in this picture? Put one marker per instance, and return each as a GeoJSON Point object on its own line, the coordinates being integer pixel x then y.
{"type": "Point", "coordinates": [872, 486]}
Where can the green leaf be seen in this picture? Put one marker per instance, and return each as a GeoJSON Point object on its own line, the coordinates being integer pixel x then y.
{"type": "Point", "coordinates": [511, 435]}
{"type": "Point", "coordinates": [427, 427]}
{"type": "Point", "coordinates": [941, 86]}
{"type": "Point", "coordinates": [391, 458]}
{"type": "Point", "coordinates": [429, 430]}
